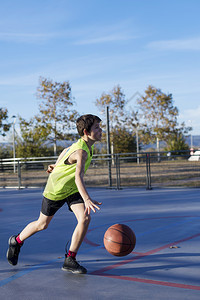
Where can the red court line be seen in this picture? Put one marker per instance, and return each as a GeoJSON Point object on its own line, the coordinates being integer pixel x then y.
{"type": "Point", "coordinates": [156, 282]}
{"type": "Point", "coordinates": [108, 268]}
{"type": "Point", "coordinates": [87, 241]}
{"type": "Point", "coordinates": [101, 272]}
{"type": "Point", "coordinates": [138, 253]}
{"type": "Point", "coordinates": [90, 242]}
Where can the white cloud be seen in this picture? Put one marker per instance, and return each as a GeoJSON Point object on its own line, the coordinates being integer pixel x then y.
{"type": "Point", "coordinates": [97, 34]}
{"type": "Point", "coordinates": [104, 39]}
{"type": "Point", "coordinates": [23, 80]}
{"type": "Point", "coordinates": [179, 44]}
{"type": "Point", "coordinates": [79, 37]}
{"type": "Point", "coordinates": [26, 37]}
{"type": "Point", "coordinates": [122, 31]}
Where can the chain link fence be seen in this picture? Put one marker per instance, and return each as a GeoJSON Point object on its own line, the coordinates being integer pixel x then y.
{"type": "Point", "coordinates": [120, 170]}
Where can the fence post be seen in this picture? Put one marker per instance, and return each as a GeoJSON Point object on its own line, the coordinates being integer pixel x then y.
{"type": "Point", "coordinates": [19, 174]}
{"type": "Point", "coordinates": [109, 171]}
{"type": "Point", "coordinates": [108, 148]}
{"type": "Point", "coordinates": [148, 170]}
{"type": "Point", "coordinates": [117, 165]}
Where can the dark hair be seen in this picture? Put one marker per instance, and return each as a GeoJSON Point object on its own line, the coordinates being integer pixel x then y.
{"type": "Point", "coordinates": [86, 122]}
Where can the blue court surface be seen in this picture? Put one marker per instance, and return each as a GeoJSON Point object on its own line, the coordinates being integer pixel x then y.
{"type": "Point", "coordinates": [165, 263]}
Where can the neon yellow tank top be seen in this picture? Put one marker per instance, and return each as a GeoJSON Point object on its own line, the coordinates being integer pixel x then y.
{"type": "Point", "coordinates": [61, 182]}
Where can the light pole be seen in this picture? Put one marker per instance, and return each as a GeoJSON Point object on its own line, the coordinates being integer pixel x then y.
{"type": "Point", "coordinates": [14, 121]}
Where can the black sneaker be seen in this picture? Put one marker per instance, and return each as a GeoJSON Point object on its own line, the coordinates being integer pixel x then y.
{"type": "Point", "coordinates": [70, 264]}
{"type": "Point", "coordinates": [13, 250]}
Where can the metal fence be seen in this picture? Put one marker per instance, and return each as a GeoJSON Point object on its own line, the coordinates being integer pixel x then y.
{"type": "Point", "coordinates": [146, 170]}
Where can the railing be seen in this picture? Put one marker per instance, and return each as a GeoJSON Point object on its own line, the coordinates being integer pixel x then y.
{"type": "Point", "coordinates": [146, 170]}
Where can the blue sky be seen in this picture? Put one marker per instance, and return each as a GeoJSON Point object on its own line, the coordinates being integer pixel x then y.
{"type": "Point", "coordinates": [97, 44]}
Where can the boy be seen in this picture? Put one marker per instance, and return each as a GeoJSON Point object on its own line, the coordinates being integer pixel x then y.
{"type": "Point", "coordinates": [66, 185]}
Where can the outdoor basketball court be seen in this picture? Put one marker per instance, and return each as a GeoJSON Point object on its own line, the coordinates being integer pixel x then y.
{"type": "Point", "coordinates": [165, 263]}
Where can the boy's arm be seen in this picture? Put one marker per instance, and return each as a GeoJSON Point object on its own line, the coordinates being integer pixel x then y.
{"type": "Point", "coordinates": [81, 157]}
{"type": "Point", "coordinates": [51, 167]}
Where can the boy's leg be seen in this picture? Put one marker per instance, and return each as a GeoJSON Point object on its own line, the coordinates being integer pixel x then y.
{"type": "Point", "coordinates": [40, 224]}
{"type": "Point", "coordinates": [81, 228]}
{"type": "Point", "coordinates": [33, 227]}
{"type": "Point", "coordinates": [70, 263]}
{"type": "Point", "coordinates": [48, 210]}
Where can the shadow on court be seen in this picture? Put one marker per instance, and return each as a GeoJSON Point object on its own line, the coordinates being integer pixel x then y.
{"type": "Point", "coordinates": [164, 264]}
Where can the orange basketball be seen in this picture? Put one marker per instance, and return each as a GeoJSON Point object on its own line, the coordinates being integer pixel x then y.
{"type": "Point", "coordinates": [119, 240]}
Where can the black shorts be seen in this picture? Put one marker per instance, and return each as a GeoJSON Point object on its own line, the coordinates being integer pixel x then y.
{"type": "Point", "coordinates": [50, 207]}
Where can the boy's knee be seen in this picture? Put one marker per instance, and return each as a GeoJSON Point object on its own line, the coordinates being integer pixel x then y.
{"type": "Point", "coordinates": [86, 219]}
{"type": "Point", "coordinates": [45, 226]}
{"type": "Point", "coordinates": [42, 226]}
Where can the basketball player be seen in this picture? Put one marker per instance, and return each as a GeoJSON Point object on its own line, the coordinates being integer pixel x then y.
{"type": "Point", "coordinates": [66, 185]}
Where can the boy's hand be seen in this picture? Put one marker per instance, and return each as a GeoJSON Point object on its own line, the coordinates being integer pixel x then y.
{"type": "Point", "coordinates": [50, 168]}
{"type": "Point", "coordinates": [91, 204]}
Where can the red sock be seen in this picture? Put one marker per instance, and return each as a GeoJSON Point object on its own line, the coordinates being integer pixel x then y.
{"type": "Point", "coordinates": [19, 241]}
{"type": "Point", "coordinates": [72, 254]}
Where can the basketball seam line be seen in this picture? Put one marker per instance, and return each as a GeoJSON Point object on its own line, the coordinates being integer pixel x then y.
{"type": "Point", "coordinates": [122, 233]}
{"type": "Point", "coordinates": [117, 242]}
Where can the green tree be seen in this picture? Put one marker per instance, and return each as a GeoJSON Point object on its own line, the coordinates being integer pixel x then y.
{"type": "Point", "coordinates": [5, 151]}
{"type": "Point", "coordinates": [56, 111]}
{"type": "Point", "coordinates": [124, 141]}
{"type": "Point", "coordinates": [177, 144]}
{"type": "Point", "coordinates": [4, 125]}
{"type": "Point", "coordinates": [176, 140]}
{"type": "Point", "coordinates": [158, 115]}
{"type": "Point", "coordinates": [32, 141]}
